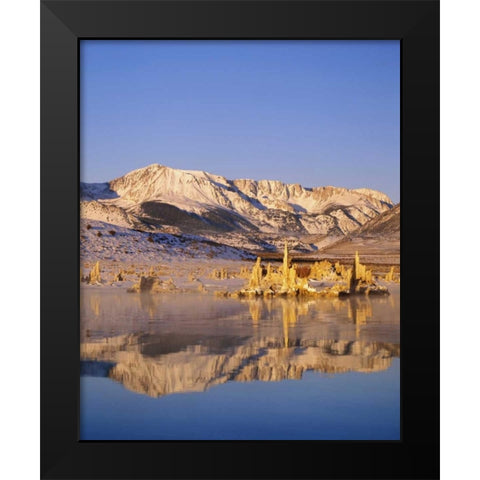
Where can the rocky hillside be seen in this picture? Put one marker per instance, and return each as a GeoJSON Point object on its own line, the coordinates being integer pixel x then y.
{"type": "Point", "coordinates": [198, 202]}
{"type": "Point", "coordinates": [381, 235]}
{"type": "Point", "coordinates": [387, 225]}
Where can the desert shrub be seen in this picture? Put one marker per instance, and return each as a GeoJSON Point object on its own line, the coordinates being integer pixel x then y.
{"type": "Point", "coordinates": [150, 239]}
{"type": "Point", "coordinates": [89, 226]}
{"type": "Point", "coordinates": [99, 234]}
{"type": "Point", "coordinates": [112, 232]}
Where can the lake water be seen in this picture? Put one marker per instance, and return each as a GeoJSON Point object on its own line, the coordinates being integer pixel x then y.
{"type": "Point", "coordinates": [192, 366]}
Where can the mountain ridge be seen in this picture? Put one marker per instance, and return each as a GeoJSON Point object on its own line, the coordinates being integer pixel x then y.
{"type": "Point", "coordinates": [198, 201]}
{"type": "Point", "coordinates": [381, 234]}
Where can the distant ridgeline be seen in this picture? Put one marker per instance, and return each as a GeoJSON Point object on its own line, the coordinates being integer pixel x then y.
{"type": "Point", "coordinates": [156, 197]}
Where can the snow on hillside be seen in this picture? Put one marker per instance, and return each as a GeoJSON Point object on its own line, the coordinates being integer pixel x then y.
{"type": "Point", "coordinates": [96, 191]}
{"type": "Point", "coordinates": [112, 214]}
{"type": "Point", "coordinates": [106, 242]}
{"type": "Point", "coordinates": [196, 201]}
{"type": "Point", "coordinates": [380, 235]}
{"type": "Point", "coordinates": [374, 194]}
{"type": "Point", "coordinates": [386, 224]}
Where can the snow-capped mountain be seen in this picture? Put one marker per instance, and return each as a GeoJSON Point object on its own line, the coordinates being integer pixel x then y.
{"type": "Point", "coordinates": [387, 225]}
{"type": "Point", "coordinates": [198, 202]}
{"type": "Point", "coordinates": [379, 235]}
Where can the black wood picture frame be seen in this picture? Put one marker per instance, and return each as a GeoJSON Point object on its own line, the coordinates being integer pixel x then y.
{"type": "Point", "coordinates": [416, 24]}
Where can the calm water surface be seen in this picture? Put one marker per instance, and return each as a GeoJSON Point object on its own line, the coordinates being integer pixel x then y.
{"type": "Point", "coordinates": [192, 366]}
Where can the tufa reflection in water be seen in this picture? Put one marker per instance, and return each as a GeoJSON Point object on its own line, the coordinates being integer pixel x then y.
{"type": "Point", "coordinates": [158, 345]}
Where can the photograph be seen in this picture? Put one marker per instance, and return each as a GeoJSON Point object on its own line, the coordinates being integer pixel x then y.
{"type": "Point", "coordinates": [239, 239]}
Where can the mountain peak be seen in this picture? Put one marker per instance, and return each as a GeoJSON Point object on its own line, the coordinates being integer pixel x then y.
{"type": "Point", "coordinates": [161, 194]}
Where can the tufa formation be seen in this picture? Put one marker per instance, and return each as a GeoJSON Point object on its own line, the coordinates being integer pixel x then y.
{"type": "Point", "coordinates": [336, 280]}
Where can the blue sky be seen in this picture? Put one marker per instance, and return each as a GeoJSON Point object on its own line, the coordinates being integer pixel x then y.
{"type": "Point", "coordinates": [310, 112]}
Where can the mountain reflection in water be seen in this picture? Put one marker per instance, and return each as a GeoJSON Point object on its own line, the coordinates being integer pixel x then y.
{"type": "Point", "coordinates": [162, 344]}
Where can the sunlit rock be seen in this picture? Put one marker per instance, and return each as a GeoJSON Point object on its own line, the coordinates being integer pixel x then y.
{"type": "Point", "coordinates": [94, 277]}
{"type": "Point", "coordinates": [391, 276]}
{"type": "Point", "coordinates": [119, 277]}
{"type": "Point", "coordinates": [256, 276]}
{"type": "Point", "coordinates": [153, 285]}
{"type": "Point", "coordinates": [220, 274]}
{"type": "Point", "coordinates": [323, 270]}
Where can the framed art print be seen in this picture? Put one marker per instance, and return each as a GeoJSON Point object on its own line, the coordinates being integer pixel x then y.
{"type": "Point", "coordinates": [239, 276]}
